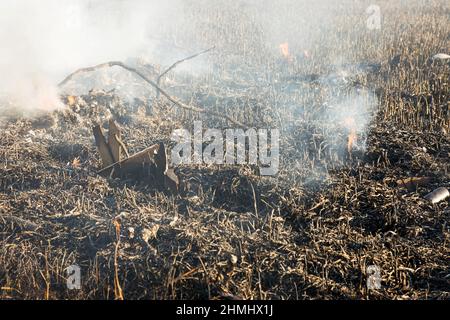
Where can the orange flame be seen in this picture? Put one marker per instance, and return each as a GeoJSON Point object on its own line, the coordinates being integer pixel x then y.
{"type": "Point", "coordinates": [351, 140]}
{"type": "Point", "coordinates": [350, 123]}
{"type": "Point", "coordinates": [284, 47]}
{"type": "Point", "coordinates": [71, 100]}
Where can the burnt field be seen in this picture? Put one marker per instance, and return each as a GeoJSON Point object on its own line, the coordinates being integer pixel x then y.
{"type": "Point", "coordinates": [363, 113]}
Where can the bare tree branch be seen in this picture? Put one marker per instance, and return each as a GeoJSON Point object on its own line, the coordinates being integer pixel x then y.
{"type": "Point", "coordinates": [158, 81]}
{"type": "Point", "coordinates": [152, 83]}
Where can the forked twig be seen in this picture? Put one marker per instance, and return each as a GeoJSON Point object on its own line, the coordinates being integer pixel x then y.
{"type": "Point", "coordinates": [158, 81]}
{"type": "Point", "coordinates": [152, 83]}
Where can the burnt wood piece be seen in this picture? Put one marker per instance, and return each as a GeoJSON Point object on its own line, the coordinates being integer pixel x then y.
{"type": "Point", "coordinates": [115, 146]}
{"type": "Point", "coordinates": [150, 165]}
{"type": "Point", "coordinates": [103, 147]}
{"type": "Point", "coordinates": [168, 176]}
{"type": "Point", "coordinates": [132, 164]}
{"type": "Point", "coordinates": [161, 159]}
{"type": "Point", "coordinates": [171, 181]}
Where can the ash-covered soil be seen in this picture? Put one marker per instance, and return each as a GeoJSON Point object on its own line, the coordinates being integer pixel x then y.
{"type": "Point", "coordinates": [232, 232]}
{"type": "Point", "coordinates": [310, 232]}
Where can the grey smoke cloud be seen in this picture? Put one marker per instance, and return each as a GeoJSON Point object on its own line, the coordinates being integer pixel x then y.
{"type": "Point", "coordinates": [44, 40]}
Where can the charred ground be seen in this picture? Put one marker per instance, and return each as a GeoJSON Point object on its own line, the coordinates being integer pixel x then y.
{"type": "Point", "coordinates": [308, 233]}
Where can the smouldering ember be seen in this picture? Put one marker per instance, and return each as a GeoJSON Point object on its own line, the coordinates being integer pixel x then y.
{"type": "Point", "coordinates": [284, 48]}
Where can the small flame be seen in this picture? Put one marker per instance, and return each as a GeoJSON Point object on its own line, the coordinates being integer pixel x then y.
{"type": "Point", "coordinates": [352, 137]}
{"type": "Point", "coordinates": [76, 163]}
{"type": "Point", "coordinates": [71, 100]}
{"type": "Point", "coordinates": [351, 140]}
{"type": "Point", "coordinates": [284, 47]}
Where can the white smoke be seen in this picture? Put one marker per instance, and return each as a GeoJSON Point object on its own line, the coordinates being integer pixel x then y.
{"type": "Point", "coordinates": [42, 41]}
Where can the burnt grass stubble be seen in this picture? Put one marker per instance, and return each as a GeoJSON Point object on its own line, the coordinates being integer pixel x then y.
{"type": "Point", "coordinates": [308, 233]}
